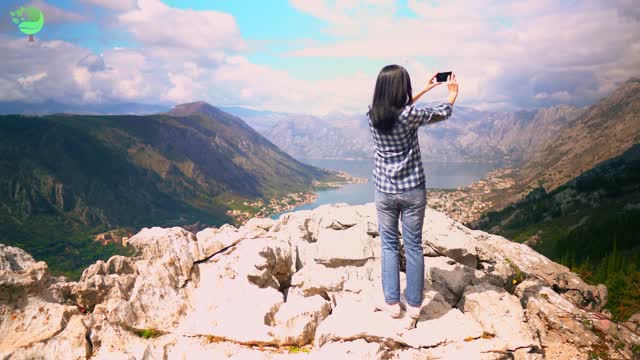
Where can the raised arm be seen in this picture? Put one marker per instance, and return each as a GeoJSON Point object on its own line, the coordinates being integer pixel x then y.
{"type": "Point", "coordinates": [430, 115]}
{"type": "Point", "coordinates": [418, 116]}
{"type": "Point", "coordinates": [452, 85]}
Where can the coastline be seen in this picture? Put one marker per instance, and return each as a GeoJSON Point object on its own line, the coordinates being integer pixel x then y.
{"type": "Point", "coordinates": [467, 204]}
{"type": "Point", "coordinates": [275, 205]}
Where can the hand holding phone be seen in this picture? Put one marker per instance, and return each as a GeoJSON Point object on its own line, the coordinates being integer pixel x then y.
{"type": "Point", "coordinates": [433, 82]}
{"type": "Point", "coordinates": [443, 76]}
{"type": "Point", "coordinates": [438, 78]}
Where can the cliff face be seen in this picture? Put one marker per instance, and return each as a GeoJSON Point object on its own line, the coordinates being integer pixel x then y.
{"type": "Point", "coordinates": [309, 279]}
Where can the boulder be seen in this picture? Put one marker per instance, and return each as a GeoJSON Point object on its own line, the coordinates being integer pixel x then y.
{"type": "Point", "coordinates": [36, 322]}
{"type": "Point", "coordinates": [448, 277]}
{"type": "Point", "coordinates": [499, 314]}
{"type": "Point", "coordinates": [103, 282]}
{"type": "Point", "coordinates": [151, 296]}
{"type": "Point", "coordinates": [14, 259]}
{"type": "Point", "coordinates": [223, 300]}
{"type": "Point", "coordinates": [549, 314]}
{"type": "Point", "coordinates": [634, 322]}
{"type": "Point", "coordinates": [70, 343]}
{"type": "Point", "coordinates": [296, 320]}
{"type": "Point", "coordinates": [173, 248]}
{"type": "Point", "coordinates": [445, 237]}
{"type": "Point", "coordinates": [503, 259]}
{"type": "Point", "coordinates": [350, 246]}
{"type": "Point", "coordinates": [213, 240]}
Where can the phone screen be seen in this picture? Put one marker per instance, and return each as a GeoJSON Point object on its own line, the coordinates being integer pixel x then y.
{"type": "Point", "coordinates": [442, 76]}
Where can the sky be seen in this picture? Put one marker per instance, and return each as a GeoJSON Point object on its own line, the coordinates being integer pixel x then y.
{"type": "Point", "coordinates": [318, 56]}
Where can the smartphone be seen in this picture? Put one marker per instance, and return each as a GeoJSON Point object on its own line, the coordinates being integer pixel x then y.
{"type": "Point", "coordinates": [442, 76]}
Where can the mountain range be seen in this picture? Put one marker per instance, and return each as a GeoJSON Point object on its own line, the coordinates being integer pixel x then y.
{"type": "Point", "coordinates": [599, 132]}
{"type": "Point", "coordinates": [588, 137]}
{"type": "Point", "coordinates": [470, 135]}
{"type": "Point", "coordinates": [575, 199]}
{"type": "Point", "coordinates": [65, 177]}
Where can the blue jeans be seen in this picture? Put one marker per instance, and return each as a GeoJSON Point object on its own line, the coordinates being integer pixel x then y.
{"type": "Point", "coordinates": [408, 206]}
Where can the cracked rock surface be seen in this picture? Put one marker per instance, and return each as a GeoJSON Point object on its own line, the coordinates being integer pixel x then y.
{"type": "Point", "coordinates": [305, 286]}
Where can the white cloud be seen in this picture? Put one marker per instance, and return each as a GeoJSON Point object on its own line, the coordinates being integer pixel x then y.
{"type": "Point", "coordinates": [558, 95]}
{"type": "Point", "coordinates": [29, 80]}
{"type": "Point", "coordinates": [156, 24]}
{"type": "Point", "coordinates": [11, 92]}
{"type": "Point", "coordinates": [545, 54]}
{"type": "Point", "coordinates": [502, 52]}
{"type": "Point", "coordinates": [26, 62]}
{"type": "Point", "coordinates": [170, 65]}
{"type": "Point", "coordinates": [278, 91]}
{"type": "Point", "coordinates": [158, 76]}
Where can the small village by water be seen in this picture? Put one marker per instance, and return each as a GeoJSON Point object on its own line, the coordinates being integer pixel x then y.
{"type": "Point", "coordinates": [442, 178]}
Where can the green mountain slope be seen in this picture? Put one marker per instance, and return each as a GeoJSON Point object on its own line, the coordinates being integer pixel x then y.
{"type": "Point", "coordinates": [605, 130]}
{"type": "Point", "coordinates": [597, 133]}
{"type": "Point", "coordinates": [590, 223]}
{"type": "Point", "coordinates": [65, 177]}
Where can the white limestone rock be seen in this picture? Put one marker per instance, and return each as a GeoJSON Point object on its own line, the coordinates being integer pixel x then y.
{"type": "Point", "coordinates": [213, 240]}
{"type": "Point", "coordinates": [448, 238]}
{"type": "Point", "coordinates": [499, 313]}
{"type": "Point", "coordinates": [310, 278]}
{"type": "Point", "coordinates": [296, 321]}
{"type": "Point", "coordinates": [14, 259]}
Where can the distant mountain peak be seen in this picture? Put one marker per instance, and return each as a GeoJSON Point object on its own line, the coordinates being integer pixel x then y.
{"type": "Point", "coordinates": [196, 107]}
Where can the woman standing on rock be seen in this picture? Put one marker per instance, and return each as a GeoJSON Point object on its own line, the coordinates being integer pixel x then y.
{"type": "Point", "coordinates": [400, 181]}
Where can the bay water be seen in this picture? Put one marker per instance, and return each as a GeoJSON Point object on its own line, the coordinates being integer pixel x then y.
{"type": "Point", "coordinates": [441, 175]}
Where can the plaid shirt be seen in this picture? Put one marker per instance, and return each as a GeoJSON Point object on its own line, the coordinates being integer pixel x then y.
{"type": "Point", "coordinates": [397, 161]}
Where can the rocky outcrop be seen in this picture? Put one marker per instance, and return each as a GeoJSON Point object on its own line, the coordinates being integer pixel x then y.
{"type": "Point", "coordinates": [307, 282]}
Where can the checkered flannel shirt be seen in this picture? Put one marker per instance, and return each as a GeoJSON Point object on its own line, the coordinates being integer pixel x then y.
{"type": "Point", "coordinates": [397, 161]}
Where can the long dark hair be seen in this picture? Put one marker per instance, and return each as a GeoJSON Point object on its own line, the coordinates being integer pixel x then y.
{"type": "Point", "coordinates": [392, 94]}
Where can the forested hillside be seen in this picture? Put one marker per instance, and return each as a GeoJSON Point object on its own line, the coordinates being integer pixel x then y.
{"type": "Point", "coordinates": [591, 224]}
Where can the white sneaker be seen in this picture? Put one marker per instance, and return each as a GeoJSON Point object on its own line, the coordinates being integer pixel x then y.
{"type": "Point", "coordinates": [392, 310]}
{"type": "Point", "coordinates": [414, 311]}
